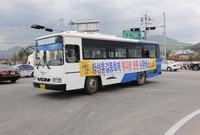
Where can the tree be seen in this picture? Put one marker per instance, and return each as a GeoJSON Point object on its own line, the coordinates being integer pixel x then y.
{"type": "Point", "coordinates": [21, 56]}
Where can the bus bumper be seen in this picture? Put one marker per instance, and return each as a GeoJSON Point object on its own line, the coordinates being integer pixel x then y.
{"type": "Point", "coordinates": [58, 87]}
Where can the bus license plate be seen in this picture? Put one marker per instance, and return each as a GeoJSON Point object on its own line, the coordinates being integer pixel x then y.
{"type": "Point", "coordinates": [42, 86]}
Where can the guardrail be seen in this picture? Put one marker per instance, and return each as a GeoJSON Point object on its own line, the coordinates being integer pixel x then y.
{"type": "Point", "coordinates": [186, 67]}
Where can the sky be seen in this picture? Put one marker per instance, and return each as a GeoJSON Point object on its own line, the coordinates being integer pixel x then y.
{"type": "Point", "coordinates": [182, 18]}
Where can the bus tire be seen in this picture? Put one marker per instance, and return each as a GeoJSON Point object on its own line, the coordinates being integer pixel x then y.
{"type": "Point", "coordinates": [141, 78]}
{"type": "Point", "coordinates": [91, 85]}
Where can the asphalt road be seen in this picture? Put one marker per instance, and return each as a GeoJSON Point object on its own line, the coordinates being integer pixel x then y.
{"type": "Point", "coordinates": [125, 109]}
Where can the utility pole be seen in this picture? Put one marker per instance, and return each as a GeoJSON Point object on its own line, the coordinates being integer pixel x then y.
{"type": "Point", "coordinates": [164, 36]}
{"type": "Point", "coordinates": [145, 31]}
{"type": "Point", "coordinates": [71, 23]}
{"type": "Point", "coordinates": [147, 21]}
{"type": "Point", "coordinates": [62, 24]}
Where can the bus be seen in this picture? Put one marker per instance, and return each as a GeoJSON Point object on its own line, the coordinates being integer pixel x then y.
{"type": "Point", "coordinates": [96, 60]}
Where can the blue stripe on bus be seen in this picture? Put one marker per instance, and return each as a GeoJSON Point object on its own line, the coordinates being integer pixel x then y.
{"type": "Point", "coordinates": [133, 76]}
{"type": "Point", "coordinates": [151, 73]}
{"type": "Point", "coordinates": [49, 47]}
{"type": "Point", "coordinates": [129, 77]}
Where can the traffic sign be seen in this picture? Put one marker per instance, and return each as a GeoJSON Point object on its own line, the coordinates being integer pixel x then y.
{"type": "Point", "coordinates": [131, 34]}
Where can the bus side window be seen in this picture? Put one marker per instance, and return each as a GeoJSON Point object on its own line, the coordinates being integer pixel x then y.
{"type": "Point", "coordinates": [97, 56]}
{"type": "Point", "coordinates": [146, 53]}
{"type": "Point", "coordinates": [72, 53]}
{"type": "Point", "coordinates": [77, 53]}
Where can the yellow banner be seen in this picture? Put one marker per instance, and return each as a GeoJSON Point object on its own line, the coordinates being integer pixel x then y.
{"type": "Point", "coordinates": [152, 64]}
{"type": "Point", "coordinates": [92, 68]}
{"type": "Point", "coordinates": [86, 68]}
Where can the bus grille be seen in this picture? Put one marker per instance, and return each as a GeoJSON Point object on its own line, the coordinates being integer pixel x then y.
{"type": "Point", "coordinates": [44, 79]}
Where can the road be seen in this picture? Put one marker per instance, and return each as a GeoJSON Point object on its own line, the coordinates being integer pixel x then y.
{"type": "Point", "coordinates": [125, 109]}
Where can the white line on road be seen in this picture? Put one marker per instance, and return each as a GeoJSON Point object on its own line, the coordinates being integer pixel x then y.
{"type": "Point", "coordinates": [181, 122]}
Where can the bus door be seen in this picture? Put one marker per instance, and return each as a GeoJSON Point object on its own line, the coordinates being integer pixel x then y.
{"type": "Point", "coordinates": [72, 71]}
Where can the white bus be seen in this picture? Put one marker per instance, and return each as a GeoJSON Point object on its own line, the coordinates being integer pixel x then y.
{"type": "Point", "coordinates": [79, 60]}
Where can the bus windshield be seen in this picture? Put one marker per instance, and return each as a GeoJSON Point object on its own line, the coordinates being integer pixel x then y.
{"type": "Point", "coordinates": [49, 54]}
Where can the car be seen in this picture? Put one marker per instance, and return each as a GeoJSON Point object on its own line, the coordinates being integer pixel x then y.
{"type": "Point", "coordinates": [170, 65]}
{"type": "Point", "coordinates": [25, 70]}
{"type": "Point", "coordinates": [7, 73]}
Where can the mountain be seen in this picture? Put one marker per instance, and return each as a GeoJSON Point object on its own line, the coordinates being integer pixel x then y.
{"type": "Point", "coordinates": [171, 44]}
{"type": "Point", "coordinates": [10, 52]}
{"type": "Point", "coordinates": [169, 41]}
{"type": "Point", "coordinates": [194, 47]}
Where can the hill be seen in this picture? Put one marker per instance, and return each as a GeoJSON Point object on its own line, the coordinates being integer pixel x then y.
{"type": "Point", "coordinates": [169, 41]}
{"type": "Point", "coordinates": [194, 47]}
{"type": "Point", "coordinates": [171, 44]}
{"type": "Point", "coordinates": [10, 52]}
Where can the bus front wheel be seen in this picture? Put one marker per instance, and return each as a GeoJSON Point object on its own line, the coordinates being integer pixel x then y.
{"type": "Point", "coordinates": [91, 85]}
{"type": "Point", "coordinates": [141, 78]}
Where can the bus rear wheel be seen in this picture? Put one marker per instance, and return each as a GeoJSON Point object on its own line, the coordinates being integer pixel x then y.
{"type": "Point", "coordinates": [141, 78]}
{"type": "Point", "coordinates": [91, 85]}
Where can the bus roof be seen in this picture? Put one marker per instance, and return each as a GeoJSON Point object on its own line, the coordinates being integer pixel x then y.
{"type": "Point", "coordinates": [98, 36]}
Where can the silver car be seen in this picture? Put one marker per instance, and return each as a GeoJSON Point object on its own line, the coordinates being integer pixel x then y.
{"type": "Point", "coordinates": [170, 65]}
{"type": "Point", "coordinates": [25, 70]}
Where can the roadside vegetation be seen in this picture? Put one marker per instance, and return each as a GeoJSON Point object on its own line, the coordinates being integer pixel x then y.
{"type": "Point", "coordinates": [20, 57]}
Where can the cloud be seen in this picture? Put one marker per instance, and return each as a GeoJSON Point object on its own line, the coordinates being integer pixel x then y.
{"type": "Point", "coordinates": [182, 17]}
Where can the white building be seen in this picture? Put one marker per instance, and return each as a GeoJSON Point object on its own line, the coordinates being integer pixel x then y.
{"type": "Point", "coordinates": [31, 59]}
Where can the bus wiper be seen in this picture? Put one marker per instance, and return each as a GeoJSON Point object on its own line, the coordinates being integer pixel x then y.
{"type": "Point", "coordinates": [38, 64]}
{"type": "Point", "coordinates": [48, 63]}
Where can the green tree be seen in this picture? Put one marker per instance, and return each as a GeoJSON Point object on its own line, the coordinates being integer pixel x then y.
{"type": "Point", "coordinates": [22, 54]}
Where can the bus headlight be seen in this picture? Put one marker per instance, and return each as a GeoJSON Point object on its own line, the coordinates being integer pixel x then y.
{"type": "Point", "coordinates": [57, 80]}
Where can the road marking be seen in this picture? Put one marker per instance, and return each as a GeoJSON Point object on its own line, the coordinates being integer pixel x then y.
{"type": "Point", "coordinates": [181, 122]}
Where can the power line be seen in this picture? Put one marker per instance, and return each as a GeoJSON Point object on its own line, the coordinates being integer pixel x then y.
{"type": "Point", "coordinates": [6, 28]}
{"type": "Point", "coordinates": [16, 43]}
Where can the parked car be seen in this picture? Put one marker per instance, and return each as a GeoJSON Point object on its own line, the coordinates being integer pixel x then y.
{"type": "Point", "coordinates": [7, 73]}
{"type": "Point", "coordinates": [25, 70]}
{"type": "Point", "coordinates": [170, 65]}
